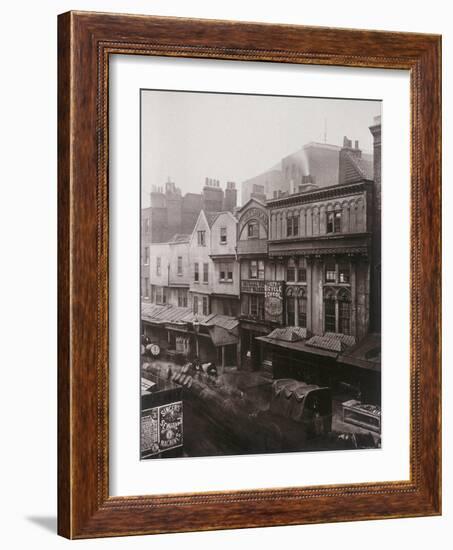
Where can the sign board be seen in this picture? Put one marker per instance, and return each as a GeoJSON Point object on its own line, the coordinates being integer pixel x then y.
{"type": "Point", "coordinates": [161, 428]}
{"type": "Point", "coordinates": [154, 349]}
{"type": "Point", "coordinates": [150, 431]}
{"type": "Point", "coordinates": [170, 426]}
{"type": "Point", "coordinates": [273, 301]}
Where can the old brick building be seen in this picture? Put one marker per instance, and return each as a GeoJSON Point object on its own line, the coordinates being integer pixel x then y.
{"type": "Point", "coordinates": [172, 213]}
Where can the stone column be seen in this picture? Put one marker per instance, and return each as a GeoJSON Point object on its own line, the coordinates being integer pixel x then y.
{"type": "Point", "coordinates": [353, 267]}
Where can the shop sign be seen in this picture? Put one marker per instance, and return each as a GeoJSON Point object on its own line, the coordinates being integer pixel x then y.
{"type": "Point", "coordinates": [162, 428]}
{"type": "Point", "coordinates": [273, 301]}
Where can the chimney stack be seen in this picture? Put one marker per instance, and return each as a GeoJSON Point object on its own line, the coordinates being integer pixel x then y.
{"type": "Point", "coordinates": [213, 197]}
{"type": "Point", "coordinates": [347, 143]}
{"type": "Point", "coordinates": [346, 160]}
{"type": "Point", "coordinates": [230, 198]}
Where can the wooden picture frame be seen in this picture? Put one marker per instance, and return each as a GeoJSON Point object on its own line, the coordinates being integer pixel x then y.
{"type": "Point", "coordinates": [85, 42]}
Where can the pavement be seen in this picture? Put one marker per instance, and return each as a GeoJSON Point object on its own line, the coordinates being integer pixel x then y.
{"type": "Point", "coordinates": [256, 388]}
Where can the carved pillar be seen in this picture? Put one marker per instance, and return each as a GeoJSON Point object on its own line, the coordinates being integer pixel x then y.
{"type": "Point", "coordinates": [353, 267]}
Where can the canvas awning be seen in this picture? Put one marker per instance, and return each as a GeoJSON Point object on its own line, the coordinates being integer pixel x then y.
{"type": "Point", "coordinates": [222, 329]}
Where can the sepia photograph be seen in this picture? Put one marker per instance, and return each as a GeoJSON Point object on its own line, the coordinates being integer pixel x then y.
{"type": "Point", "coordinates": [260, 274]}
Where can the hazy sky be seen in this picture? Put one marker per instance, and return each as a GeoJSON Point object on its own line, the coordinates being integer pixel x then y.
{"type": "Point", "coordinates": [187, 136]}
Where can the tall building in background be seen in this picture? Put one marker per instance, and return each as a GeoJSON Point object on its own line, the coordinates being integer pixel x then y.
{"type": "Point", "coordinates": [172, 213]}
{"type": "Point", "coordinates": [313, 166]}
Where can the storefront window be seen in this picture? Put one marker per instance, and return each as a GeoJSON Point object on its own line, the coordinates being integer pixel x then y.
{"type": "Point", "coordinates": [344, 312]}
{"type": "Point", "coordinates": [290, 311]}
{"type": "Point", "coordinates": [302, 305]}
{"type": "Point", "coordinates": [329, 312]}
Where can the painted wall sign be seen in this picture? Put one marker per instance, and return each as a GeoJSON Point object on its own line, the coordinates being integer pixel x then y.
{"type": "Point", "coordinates": [273, 301]}
{"type": "Point", "coordinates": [170, 426]}
{"type": "Point", "coordinates": [162, 428]}
{"type": "Point", "coordinates": [150, 431]}
{"type": "Point", "coordinates": [255, 213]}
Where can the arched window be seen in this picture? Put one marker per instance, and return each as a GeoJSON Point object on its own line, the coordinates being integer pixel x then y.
{"type": "Point", "coordinates": [302, 308]}
{"type": "Point", "coordinates": [344, 312]}
{"type": "Point", "coordinates": [329, 310]}
{"type": "Point", "coordinates": [290, 310]}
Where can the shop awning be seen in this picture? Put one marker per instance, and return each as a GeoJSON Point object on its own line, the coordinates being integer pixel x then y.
{"type": "Point", "coordinates": [366, 354]}
{"type": "Point", "coordinates": [222, 329]}
{"type": "Point", "coordinates": [168, 314]}
{"type": "Point", "coordinates": [297, 346]}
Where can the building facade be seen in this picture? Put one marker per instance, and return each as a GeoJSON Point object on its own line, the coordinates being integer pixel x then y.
{"type": "Point", "coordinates": [225, 284]}
{"type": "Point", "coordinates": [289, 286]}
{"type": "Point", "coordinates": [254, 268]}
{"type": "Point", "coordinates": [201, 265]}
{"type": "Point", "coordinates": [320, 242]}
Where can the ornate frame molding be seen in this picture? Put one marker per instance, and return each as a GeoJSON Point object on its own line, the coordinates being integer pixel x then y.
{"type": "Point", "coordinates": [86, 41]}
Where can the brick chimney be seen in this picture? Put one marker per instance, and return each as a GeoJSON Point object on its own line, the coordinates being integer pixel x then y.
{"type": "Point", "coordinates": [344, 169]}
{"type": "Point", "coordinates": [212, 196]}
{"type": "Point", "coordinates": [230, 198]}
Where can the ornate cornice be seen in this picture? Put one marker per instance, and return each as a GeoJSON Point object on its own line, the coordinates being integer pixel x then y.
{"type": "Point", "coordinates": [320, 194]}
{"type": "Point", "coordinates": [349, 250]}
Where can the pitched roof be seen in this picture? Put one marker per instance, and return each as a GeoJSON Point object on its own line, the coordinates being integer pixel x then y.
{"type": "Point", "coordinates": [211, 217]}
{"type": "Point", "coordinates": [252, 199]}
{"type": "Point", "coordinates": [331, 341]}
{"type": "Point", "coordinates": [357, 168]}
{"type": "Point", "coordinates": [162, 314]}
{"type": "Point", "coordinates": [223, 321]}
{"type": "Point", "coordinates": [288, 334]}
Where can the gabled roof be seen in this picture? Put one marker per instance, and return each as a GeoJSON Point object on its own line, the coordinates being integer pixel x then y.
{"type": "Point", "coordinates": [227, 212]}
{"type": "Point", "coordinates": [252, 199]}
{"type": "Point", "coordinates": [201, 215]}
{"type": "Point", "coordinates": [211, 217]}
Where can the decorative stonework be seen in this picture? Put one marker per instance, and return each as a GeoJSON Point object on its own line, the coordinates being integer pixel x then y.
{"type": "Point", "coordinates": [254, 213]}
